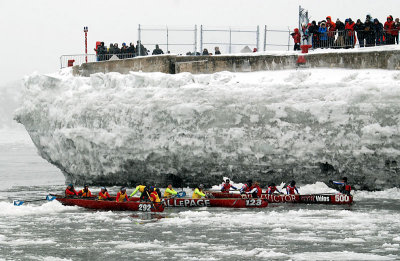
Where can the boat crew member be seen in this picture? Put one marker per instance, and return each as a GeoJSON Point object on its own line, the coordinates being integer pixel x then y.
{"type": "Point", "coordinates": [103, 194]}
{"type": "Point", "coordinates": [139, 188]}
{"type": "Point", "coordinates": [226, 187]}
{"type": "Point", "coordinates": [85, 192]}
{"type": "Point", "coordinates": [291, 188]}
{"type": "Point", "coordinates": [70, 191]}
{"type": "Point", "coordinates": [246, 187]}
{"type": "Point", "coordinates": [170, 192]}
{"type": "Point", "coordinates": [198, 192]}
{"type": "Point", "coordinates": [255, 190]}
{"type": "Point", "coordinates": [272, 188]}
{"type": "Point", "coordinates": [122, 196]}
{"type": "Point", "coordinates": [154, 197]}
{"type": "Point", "coordinates": [145, 194]}
{"type": "Point", "coordinates": [345, 188]}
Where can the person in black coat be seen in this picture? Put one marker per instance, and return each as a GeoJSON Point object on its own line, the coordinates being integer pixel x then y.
{"type": "Point", "coordinates": [340, 28]}
{"type": "Point", "coordinates": [205, 52]}
{"type": "Point", "coordinates": [131, 50]}
{"type": "Point", "coordinates": [378, 32]}
{"type": "Point", "coordinates": [157, 51]}
{"type": "Point", "coordinates": [369, 32]}
{"type": "Point", "coordinates": [313, 31]}
{"type": "Point", "coordinates": [359, 27]}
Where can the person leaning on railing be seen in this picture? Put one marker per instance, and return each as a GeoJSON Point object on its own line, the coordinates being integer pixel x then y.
{"type": "Point", "coordinates": [340, 28]}
{"type": "Point", "coordinates": [359, 27]}
{"type": "Point", "coordinates": [101, 51]}
{"type": "Point", "coordinates": [369, 32]}
{"type": "Point", "coordinates": [378, 28]}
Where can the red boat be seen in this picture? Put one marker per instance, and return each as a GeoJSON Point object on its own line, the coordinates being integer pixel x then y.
{"type": "Point", "coordinates": [93, 203]}
{"type": "Point", "coordinates": [214, 202]}
{"type": "Point", "coordinates": [335, 199]}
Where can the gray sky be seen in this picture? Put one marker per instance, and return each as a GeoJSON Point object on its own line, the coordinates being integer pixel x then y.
{"type": "Point", "coordinates": [35, 33]}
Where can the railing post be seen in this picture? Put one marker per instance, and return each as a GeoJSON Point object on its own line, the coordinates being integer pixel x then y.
{"type": "Point", "coordinates": [201, 39]}
{"type": "Point", "coordinates": [167, 40]}
{"type": "Point", "coordinates": [61, 62]}
{"type": "Point", "coordinates": [140, 41]}
{"type": "Point", "coordinates": [258, 36]}
{"type": "Point", "coordinates": [230, 40]}
{"type": "Point", "coordinates": [265, 38]}
{"type": "Point", "coordinates": [288, 43]}
{"type": "Point", "coordinates": [195, 39]}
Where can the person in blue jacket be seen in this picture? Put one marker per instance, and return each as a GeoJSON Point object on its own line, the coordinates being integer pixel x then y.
{"type": "Point", "coordinates": [323, 35]}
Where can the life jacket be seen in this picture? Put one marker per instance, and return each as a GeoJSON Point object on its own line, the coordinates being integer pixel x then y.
{"type": "Point", "coordinates": [259, 191]}
{"type": "Point", "coordinates": [141, 188]}
{"type": "Point", "coordinates": [85, 194]}
{"type": "Point", "coordinates": [347, 188]}
{"type": "Point", "coordinates": [154, 197]}
{"type": "Point", "coordinates": [290, 189]}
{"type": "Point", "coordinates": [245, 188]}
{"type": "Point", "coordinates": [121, 197]}
{"type": "Point", "coordinates": [226, 187]}
{"type": "Point", "coordinates": [271, 189]}
{"type": "Point", "coordinates": [169, 192]}
{"type": "Point", "coordinates": [198, 194]}
{"type": "Point", "coordinates": [71, 192]}
{"type": "Point", "coordinates": [104, 196]}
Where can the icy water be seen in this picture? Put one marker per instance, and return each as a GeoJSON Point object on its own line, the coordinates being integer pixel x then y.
{"type": "Point", "coordinates": [367, 230]}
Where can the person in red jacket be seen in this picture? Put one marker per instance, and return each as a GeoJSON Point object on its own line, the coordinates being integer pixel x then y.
{"type": "Point", "coordinates": [122, 196]}
{"type": "Point", "coordinates": [272, 188]}
{"type": "Point", "coordinates": [70, 191]}
{"type": "Point", "coordinates": [349, 33]}
{"type": "Point", "coordinates": [296, 38]}
{"type": "Point", "coordinates": [226, 187]}
{"type": "Point", "coordinates": [291, 188]}
{"type": "Point", "coordinates": [85, 192]}
{"type": "Point", "coordinates": [103, 194]}
{"type": "Point", "coordinates": [345, 187]}
{"type": "Point", "coordinates": [331, 26]}
{"type": "Point", "coordinates": [388, 30]}
{"type": "Point", "coordinates": [255, 190]}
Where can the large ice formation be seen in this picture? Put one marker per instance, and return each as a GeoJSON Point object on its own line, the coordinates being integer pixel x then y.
{"type": "Point", "coordinates": [306, 125]}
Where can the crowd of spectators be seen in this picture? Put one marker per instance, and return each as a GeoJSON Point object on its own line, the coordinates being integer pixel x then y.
{"type": "Point", "coordinates": [329, 34]}
{"type": "Point", "coordinates": [106, 53]}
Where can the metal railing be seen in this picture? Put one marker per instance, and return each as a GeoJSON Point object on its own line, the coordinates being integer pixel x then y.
{"type": "Point", "coordinates": [277, 39]}
{"type": "Point", "coordinates": [229, 34]}
{"type": "Point", "coordinates": [164, 36]}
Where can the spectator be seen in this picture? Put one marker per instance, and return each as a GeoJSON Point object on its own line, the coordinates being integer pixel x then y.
{"type": "Point", "coordinates": [131, 50]}
{"type": "Point", "coordinates": [117, 51]}
{"type": "Point", "coordinates": [340, 28]}
{"type": "Point", "coordinates": [110, 51]}
{"type": "Point", "coordinates": [157, 51]}
{"type": "Point", "coordinates": [388, 30]}
{"type": "Point", "coordinates": [217, 51]}
{"type": "Point", "coordinates": [313, 31]}
{"type": "Point", "coordinates": [296, 39]}
{"type": "Point", "coordinates": [305, 32]}
{"type": "Point", "coordinates": [378, 27]}
{"type": "Point", "coordinates": [396, 28]}
{"type": "Point", "coordinates": [255, 50]}
{"type": "Point", "coordinates": [140, 49]}
{"type": "Point", "coordinates": [369, 31]}
{"type": "Point", "coordinates": [101, 51]}
{"type": "Point", "coordinates": [124, 51]}
{"type": "Point", "coordinates": [323, 36]}
{"type": "Point", "coordinates": [331, 28]}
{"type": "Point", "coordinates": [349, 33]}
{"type": "Point", "coordinates": [359, 27]}
{"type": "Point", "coordinates": [205, 52]}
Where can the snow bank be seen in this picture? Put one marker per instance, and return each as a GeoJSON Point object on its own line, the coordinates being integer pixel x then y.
{"type": "Point", "coordinates": [307, 125]}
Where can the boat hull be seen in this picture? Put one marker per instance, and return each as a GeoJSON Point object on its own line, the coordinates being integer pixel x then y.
{"type": "Point", "coordinates": [112, 205]}
{"type": "Point", "coordinates": [335, 199]}
{"type": "Point", "coordinates": [225, 203]}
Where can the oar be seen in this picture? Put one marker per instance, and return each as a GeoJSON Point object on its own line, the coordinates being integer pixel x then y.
{"type": "Point", "coordinates": [20, 202]}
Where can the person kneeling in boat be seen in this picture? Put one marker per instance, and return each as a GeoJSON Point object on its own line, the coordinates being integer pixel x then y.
{"type": "Point", "coordinates": [122, 196]}
{"type": "Point", "coordinates": [85, 192]}
{"type": "Point", "coordinates": [103, 194]}
{"type": "Point", "coordinates": [154, 197]}
{"type": "Point", "coordinates": [246, 187]}
{"type": "Point", "coordinates": [70, 191]}
{"type": "Point", "coordinates": [345, 188]}
{"type": "Point", "coordinates": [226, 187]}
{"type": "Point", "coordinates": [170, 192]}
{"type": "Point", "coordinates": [291, 188]}
{"type": "Point", "coordinates": [272, 188]}
{"type": "Point", "coordinates": [198, 192]}
{"type": "Point", "coordinates": [255, 190]}
{"type": "Point", "coordinates": [139, 188]}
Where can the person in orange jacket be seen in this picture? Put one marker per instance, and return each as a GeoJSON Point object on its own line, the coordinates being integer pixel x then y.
{"type": "Point", "coordinates": [331, 26]}
{"type": "Point", "coordinates": [85, 192]}
{"type": "Point", "coordinates": [388, 30]}
{"type": "Point", "coordinates": [154, 197]}
{"type": "Point", "coordinates": [122, 196]}
{"type": "Point", "coordinates": [103, 194]}
{"type": "Point", "coordinates": [70, 191]}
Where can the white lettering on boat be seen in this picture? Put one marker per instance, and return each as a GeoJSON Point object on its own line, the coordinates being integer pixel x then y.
{"type": "Point", "coordinates": [187, 202]}
{"type": "Point", "coordinates": [253, 202]}
{"type": "Point", "coordinates": [144, 207]}
{"type": "Point", "coordinates": [342, 198]}
{"type": "Point", "coordinates": [321, 198]}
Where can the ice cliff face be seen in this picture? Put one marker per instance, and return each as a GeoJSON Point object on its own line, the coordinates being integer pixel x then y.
{"type": "Point", "coordinates": [276, 126]}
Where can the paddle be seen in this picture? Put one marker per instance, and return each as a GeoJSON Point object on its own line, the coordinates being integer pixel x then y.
{"type": "Point", "coordinates": [20, 202]}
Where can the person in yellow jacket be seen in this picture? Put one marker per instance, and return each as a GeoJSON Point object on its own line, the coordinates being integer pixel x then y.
{"type": "Point", "coordinates": [198, 192]}
{"type": "Point", "coordinates": [154, 195]}
{"type": "Point", "coordinates": [170, 192]}
{"type": "Point", "coordinates": [139, 188]}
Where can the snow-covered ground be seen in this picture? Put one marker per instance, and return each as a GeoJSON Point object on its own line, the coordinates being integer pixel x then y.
{"type": "Point", "coordinates": [308, 125]}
